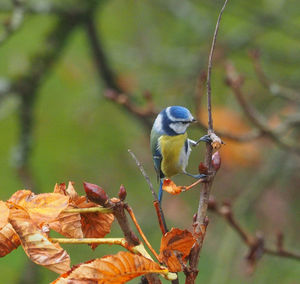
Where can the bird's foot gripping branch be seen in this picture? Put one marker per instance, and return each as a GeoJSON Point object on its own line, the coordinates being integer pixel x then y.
{"type": "Point", "coordinates": [170, 187]}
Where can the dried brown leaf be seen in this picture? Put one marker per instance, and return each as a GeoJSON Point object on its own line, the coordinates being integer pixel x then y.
{"type": "Point", "coordinates": [42, 208]}
{"type": "Point", "coordinates": [175, 245]}
{"type": "Point", "coordinates": [68, 225]}
{"type": "Point", "coordinates": [4, 213]}
{"type": "Point", "coordinates": [75, 225]}
{"type": "Point", "coordinates": [94, 225]}
{"type": "Point", "coordinates": [36, 244]}
{"type": "Point", "coordinates": [9, 240]}
{"type": "Point", "coordinates": [67, 191]}
{"type": "Point", "coordinates": [170, 187]}
{"type": "Point", "coordinates": [21, 196]}
{"type": "Point", "coordinates": [60, 188]}
{"type": "Point", "coordinates": [70, 191]}
{"type": "Point", "coordinates": [111, 269]}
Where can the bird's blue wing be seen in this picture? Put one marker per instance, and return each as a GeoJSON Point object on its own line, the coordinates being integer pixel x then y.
{"type": "Point", "coordinates": [156, 154]}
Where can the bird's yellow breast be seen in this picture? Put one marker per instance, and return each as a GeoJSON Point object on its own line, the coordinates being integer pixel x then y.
{"type": "Point", "coordinates": [171, 147]}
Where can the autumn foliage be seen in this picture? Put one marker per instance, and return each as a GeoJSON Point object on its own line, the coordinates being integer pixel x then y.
{"type": "Point", "coordinates": [27, 219]}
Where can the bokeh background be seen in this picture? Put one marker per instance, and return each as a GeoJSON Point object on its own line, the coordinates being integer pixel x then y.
{"type": "Point", "coordinates": [57, 124]}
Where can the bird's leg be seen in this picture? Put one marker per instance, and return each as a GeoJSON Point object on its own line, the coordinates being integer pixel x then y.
{"type": "Point", "coordinates": [206, 138]}
{"type": "Point", "coordinates": [199, 176]}
{"type": "Point", "coordinates": [160, 192]}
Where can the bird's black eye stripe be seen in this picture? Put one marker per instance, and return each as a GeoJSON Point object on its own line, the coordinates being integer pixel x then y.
{"type": "Point", "coordinates": [185, 122]}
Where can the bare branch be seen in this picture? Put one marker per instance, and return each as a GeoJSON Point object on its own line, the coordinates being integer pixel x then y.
{"type": "Point", "coordinates": [114, 92]}
{"type": "Point", "coordinates": [235, 81]}
{"type": "Point", "coordinates": [274, 88]}
{"type": "Point", "coordinates": [159, 212]}
{"type": "Point", "coordinates": [118, 207]}
{"type": "Point", "coordinates": [130, 212]}
{"type": "Point", "coordinates": [201, 222]}
{"type": "Point", "coordinates": [251, 241]}
{"type": "Point", "coordinates": [209, 68]}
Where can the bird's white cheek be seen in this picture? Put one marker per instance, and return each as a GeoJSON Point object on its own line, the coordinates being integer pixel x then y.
{"type": "Point", "coordinates": [179, 128]}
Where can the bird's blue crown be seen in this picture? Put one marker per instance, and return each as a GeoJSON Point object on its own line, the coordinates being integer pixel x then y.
{"type": "Point", "coordinates": [170, 115]}
{"type": "Point", "coordinates": [178, 113]}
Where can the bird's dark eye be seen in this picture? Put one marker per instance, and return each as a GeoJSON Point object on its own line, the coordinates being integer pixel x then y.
{"type": "Point", "coordinates": [184, 122]}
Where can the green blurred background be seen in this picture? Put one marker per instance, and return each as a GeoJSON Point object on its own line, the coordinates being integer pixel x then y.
{"type": "Point", "coordinates": [161, 46]}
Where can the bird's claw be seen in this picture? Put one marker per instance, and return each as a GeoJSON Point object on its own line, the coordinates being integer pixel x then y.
{"type": "Point", "coordinates": [206, 138]}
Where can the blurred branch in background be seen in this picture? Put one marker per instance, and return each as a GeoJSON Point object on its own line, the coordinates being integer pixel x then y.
{"type": "Point", "coordinates": [274, 88]}
{"type": "Point", "coordinates": [26, 88]}
{"type": "Point", "coordinates": [256, 244]}
{"type": "Point", "coordinates": [200, 93]}
{"type": "Point", "coordinates": [235, 82]}
{"type": "Point", "coordinates": [114, 92]}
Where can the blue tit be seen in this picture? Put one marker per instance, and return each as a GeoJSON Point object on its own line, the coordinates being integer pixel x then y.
{"type": "Point", "coordinates": [170, 144]}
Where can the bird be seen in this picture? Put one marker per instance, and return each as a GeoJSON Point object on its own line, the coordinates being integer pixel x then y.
{"type": "Point", "coordinates": [170, 144]}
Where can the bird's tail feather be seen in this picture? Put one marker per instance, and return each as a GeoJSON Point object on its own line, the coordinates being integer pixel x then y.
{"type": "Point", "coordinates": [160, 192]}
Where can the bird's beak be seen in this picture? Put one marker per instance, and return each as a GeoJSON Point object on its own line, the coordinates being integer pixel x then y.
{"type": "Point", "coordinates": [194, 120]}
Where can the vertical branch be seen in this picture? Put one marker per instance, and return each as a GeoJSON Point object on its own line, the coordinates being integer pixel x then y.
{"type": "Point", "coordinates": [204, 195]}
{"type": "Point", "coordinates": [201, 221]}
{"type": "Point", "coordinates": [209, 68]}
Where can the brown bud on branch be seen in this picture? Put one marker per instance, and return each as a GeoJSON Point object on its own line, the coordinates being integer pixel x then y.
{"type": "Point", "coordinates": [122, 193]}
{"type": "Point", "coordinates": [95, 193]}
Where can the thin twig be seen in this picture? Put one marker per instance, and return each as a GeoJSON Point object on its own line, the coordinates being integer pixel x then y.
{"type": "Point", "coordinates": [282, 253]}
{"type": "Point", "coordinates": [209, 68]}
{"type": "Point", "coordinates": [118, 208]}
{"type": "Point", "coordinates": [130, 211]}
{"type": "Point", "coordinates": [104, 241]}
{"type": "Point", "coordinates": [109, 241]}
{"type": "Point", "coordinates": [89, 210]}
{"type": "Point", "coordinates": [140, 166]}
{"type": "Point", "coordinates": [114, 91]}
{"type": "Point", "coordinates": [274, 88]}
{"type": "Point", "coordinates": [158, 211]}
{"type": "Point", "coordinates": [251, 241]}
{"type": "Point", "coordinates": [201, 221]}
{"type": "Point", "coordinates": [235, 81]}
